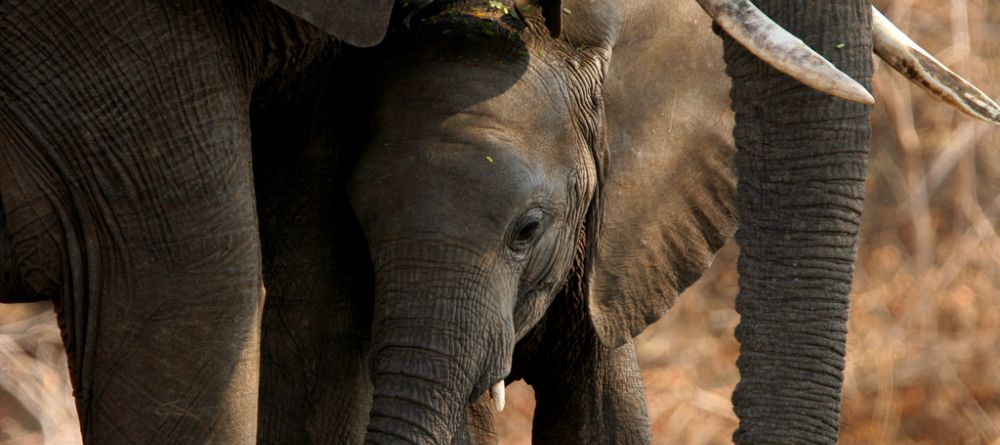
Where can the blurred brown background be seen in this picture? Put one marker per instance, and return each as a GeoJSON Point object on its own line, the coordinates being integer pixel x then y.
{"type": "Point", "coordinates": [923, 363]}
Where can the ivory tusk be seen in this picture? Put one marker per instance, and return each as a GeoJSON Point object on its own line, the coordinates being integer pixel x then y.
{"type": "Point", "coordinates": [498, 395]}
{"type": "Point", "coordinates": [779, 48]}
{"type": "Point", "coordinates": [905, 56]}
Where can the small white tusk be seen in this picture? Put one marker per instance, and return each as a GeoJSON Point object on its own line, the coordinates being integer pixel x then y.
{"type": "Point", "coordinates": [782, 50]}
{"type": "Point", "coordinates": [498, 396]}
{"type": "Point", "coordinates": [905, 56]}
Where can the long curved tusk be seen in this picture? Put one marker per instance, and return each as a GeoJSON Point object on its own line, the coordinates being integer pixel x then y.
{"type": "Point", "coordinates": [780, 49]}
{"type": "Point", "coordinates": [924, 70]}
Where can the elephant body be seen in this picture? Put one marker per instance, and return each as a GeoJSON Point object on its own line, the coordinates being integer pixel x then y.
{"type": "Point", "coordinates": [499, 191]}
{"type": "Point", "coordinates": [129, 196]}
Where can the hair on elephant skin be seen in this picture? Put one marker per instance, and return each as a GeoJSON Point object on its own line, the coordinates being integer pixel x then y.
{"type": "Point", "coordinates": [501, 190]}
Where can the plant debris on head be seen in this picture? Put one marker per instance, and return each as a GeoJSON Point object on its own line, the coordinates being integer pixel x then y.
{"type": "Point", "coordinates": [474, 20]}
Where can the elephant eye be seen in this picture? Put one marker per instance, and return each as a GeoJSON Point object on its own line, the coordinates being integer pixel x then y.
{"type": "Point", "coordinates": [526, 232]}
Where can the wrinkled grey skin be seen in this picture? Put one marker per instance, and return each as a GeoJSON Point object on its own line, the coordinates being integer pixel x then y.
{"type": "Point", "coordinates": [129, 199]}
{"type": "Point", "coordinates": [802, 163]}
{"type": "Point", "coordinates": [529, 202]}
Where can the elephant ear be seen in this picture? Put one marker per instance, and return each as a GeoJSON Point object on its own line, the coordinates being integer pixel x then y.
{"type": "Point", "coordinates": [667, 199]}
{"type": "Point", "coordinates": [358, 22]}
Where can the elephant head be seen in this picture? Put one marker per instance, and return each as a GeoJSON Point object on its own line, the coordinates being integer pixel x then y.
{"type": "Point", "coordinates": [531, 154]}
{"type": "Point", "coordinates": [502, 156]}
{"type": "Point", "coordinates": [473, 207]}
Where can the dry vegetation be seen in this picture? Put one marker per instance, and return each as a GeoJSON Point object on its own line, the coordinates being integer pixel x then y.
{"type": "Point", "coordinates": [924, 346]}
{"type": "Point", "coordinates": [36, 404]}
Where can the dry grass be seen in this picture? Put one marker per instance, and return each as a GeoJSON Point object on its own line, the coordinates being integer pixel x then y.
{"type": "Point", "coordinates": [36, 402]}
{"type": "Point", "coordinates": [924, 345]}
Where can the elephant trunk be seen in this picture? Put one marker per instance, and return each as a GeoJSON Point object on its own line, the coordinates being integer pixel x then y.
{"type": "Point", "coordinates": [438, 342]}
{"type": "Point", "coordinates": [802, 162]}
{"type": "Point", "coordinates": [413, 402]}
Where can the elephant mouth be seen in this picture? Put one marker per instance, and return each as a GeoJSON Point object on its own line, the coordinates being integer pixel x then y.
{"type": "Point", "coordinates": [492, 382]}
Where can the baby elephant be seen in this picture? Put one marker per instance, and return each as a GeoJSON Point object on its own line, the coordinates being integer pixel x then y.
{"type": "Point", "coordinates": [531, 217]}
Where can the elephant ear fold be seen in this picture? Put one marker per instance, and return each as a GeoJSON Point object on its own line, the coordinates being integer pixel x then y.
{"type": "Point", "coordinates": [667, 197]}
{"type": "Point", "coordinates": [360, 23]}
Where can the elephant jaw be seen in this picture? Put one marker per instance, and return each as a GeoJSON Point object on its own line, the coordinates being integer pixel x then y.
{"type": "Point", "coordinates": [786, 53]}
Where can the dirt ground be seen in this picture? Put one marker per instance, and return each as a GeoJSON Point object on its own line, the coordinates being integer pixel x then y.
{"type": "Point", "coordinates": [923, 363]}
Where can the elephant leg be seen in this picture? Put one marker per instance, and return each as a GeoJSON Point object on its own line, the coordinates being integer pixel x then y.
{"type": "Point", "coordinates": [314, 374]}
{"type": "Point", "coordinates": [13, 288]}
{"type": "Point", "coordinates": [316, 328]}
{"type": "Point", "coordinates": [601, 401]}
{"type": "Point", "coordinates": [585, 392]}
{"type": "Point", "coordinates": [125, 172]}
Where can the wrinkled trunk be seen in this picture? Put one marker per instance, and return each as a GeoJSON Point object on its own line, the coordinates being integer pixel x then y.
{"type": "Point", "coordinates": [413, 401]}
{"type": "Point", "coordinates": [436, 342]}
{"type": "Point", "coordinates": [802, 161]}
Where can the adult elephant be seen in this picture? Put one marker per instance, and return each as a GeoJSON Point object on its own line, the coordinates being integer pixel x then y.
{"type": "Point", "coordinates": [126, 137]}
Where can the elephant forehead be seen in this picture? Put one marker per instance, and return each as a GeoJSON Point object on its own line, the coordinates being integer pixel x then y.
{"type": "Point", "coordinates": [513, 94]}
{"type": "Point", "coordinates": [480, 181]}
{"type": "Point", "coordinates": [455, 165]}
{"type": "Point", "coordinates": [479, 146]}
{"type": "Point", "coordinates": [513, 125]}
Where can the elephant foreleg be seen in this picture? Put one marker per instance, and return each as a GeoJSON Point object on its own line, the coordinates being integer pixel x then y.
{"type": "Point", "coordinates": [601, 401]}
{"type": "Point", "coordinates": [314, 344]}
{"type": "Point", "coordinates": [13, 288]}
{"type": "Point", "coordinates": [585, 393]}
{"type": "Point", "coordinates": [125, 174]}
